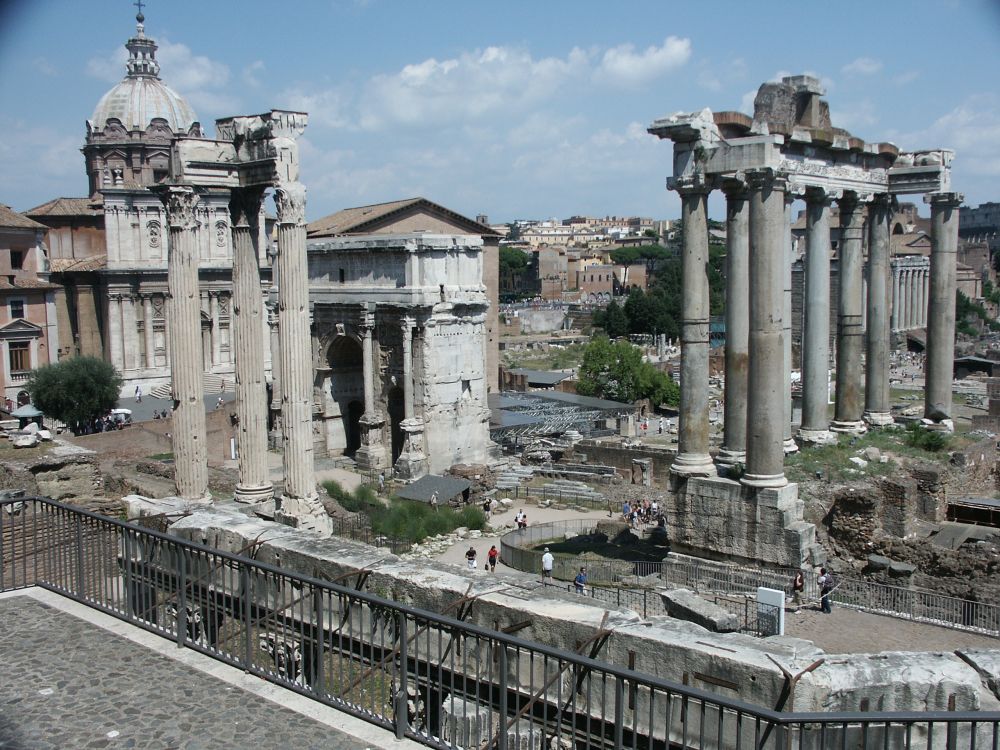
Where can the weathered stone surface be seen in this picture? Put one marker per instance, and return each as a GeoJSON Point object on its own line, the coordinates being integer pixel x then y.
{"type": "Point", "coordinates": [29, 440]}
{"type": "Point", "coordinates": [877, 563]}
{"type": "Point", "coordinates": [683, 604]}
{"type": "Point", "coordinates": [901, 569]}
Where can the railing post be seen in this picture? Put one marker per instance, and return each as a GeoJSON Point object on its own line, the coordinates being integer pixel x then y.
{"type": "Point", "coordinates": [248, 637]}
{"type": "Point", "coordinates": [502, 703]}
{"type": "Point", "coordinates": [320, 641]}
{"type": "Point", "coordinates": [402, 717]}
{"type": "Point", "coordinates": [182, 624]}
{"type": "Point", "coordinates": [620, 713]}
{"type": "Point", "coordinates": [80, 578]}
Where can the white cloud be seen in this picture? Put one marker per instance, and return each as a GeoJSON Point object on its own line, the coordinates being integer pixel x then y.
{"type": "Point", "coordinates": [47, 161]}
{"type": "Point", "coordinates": [852, 116]}
{"type": "Point", "coordinates": [473, 85]}
{"type": "Point", "coordinates": [326, 107]}
{"type": "Point", "coordinates": [907, 76]}
{"type": "Point", "coordinates": [623, 65]}
{"type": "Point", "coordinates": [972, 129]}
{"type": "Point", "coordinates": [249, 73]}
{"type": "Point", "coordinates": [45, 67]}
{"type": "Point", "coordinates": [862, 66]}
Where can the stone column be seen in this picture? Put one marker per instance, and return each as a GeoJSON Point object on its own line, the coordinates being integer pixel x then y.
{"type": "Point", "coordinates": [924, 284]}
{"type": "Point", "coordinates": [765, 415]}
{"type": "Point", "coordinates": [184, 312]}
{"type": "Point", "coordinates": [372, 454]}
{"type": "Point", "coordinates": [406, 331]}
{"type": "Point", "coordinates": [149, 340]}
{"type": "Point", "coordinates": [850, 337]}
{"type": "Point", "coordinates": [938, 366]}
{"type": "Point", "coordinates": [789, 445]}
{"type": "Point", "coordinates": [412, 462]}
{"type": "Point", "coordinates": [816, 335]}
{"type": "Point", "coordinates": [130, 334]}
{"type": "Point", "coordinates": [275, 339]}
{"type": "Point", "coordinates": [213, 306]}
{"type": "Point", "coordinates": [115, 349]}
{"type": "Point", "coordinates": [300, 505]}
{"type": "Point", "coordinates": [693, 458]}
{"type": "Point", "coordinates": [253, 483]}
{"type": "Point", "coordinates": [737, 323]}
{"type": "Point", "coordinates": [895, 297]}
{"type": "Point", "coordinates": [877, 402]}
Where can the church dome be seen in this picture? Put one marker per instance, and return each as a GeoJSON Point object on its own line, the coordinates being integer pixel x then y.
{"type": "Point", "coordinates": [142, 97]}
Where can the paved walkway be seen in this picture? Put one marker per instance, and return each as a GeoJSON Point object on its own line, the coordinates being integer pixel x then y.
{"type": "Point", "coordinates": [69, 682]}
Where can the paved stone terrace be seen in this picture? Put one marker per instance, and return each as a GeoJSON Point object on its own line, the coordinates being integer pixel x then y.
{"type": "Point", "coordinates": [69, 683]}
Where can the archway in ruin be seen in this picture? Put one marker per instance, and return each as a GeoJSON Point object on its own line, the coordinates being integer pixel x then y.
{"type": "Point", "coordinates": [347, 391]}
{"type": "Point", "coordinates": [396, 409]}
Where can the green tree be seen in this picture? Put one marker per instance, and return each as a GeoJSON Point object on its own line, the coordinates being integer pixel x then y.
{"type": "Point", "coordinates": [76, 390]}
{"type": "Point", "coordinates": [512, 260]}
{"type": "Point", "coordinates": [616, 371]}
{"type": "Point", "coordinates": [614, 320]}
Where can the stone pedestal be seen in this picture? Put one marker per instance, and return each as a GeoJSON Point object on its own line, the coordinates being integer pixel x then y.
{"type": "Point", "coordinates": [938, 367]}
{"type": "Point", "coordinates": [693, 458]}
{"type": "Point", "coordinates": [850, 335]}
{"type": "Point", "coordinates": [877, 401]}
{"type": "Point", "coordinates": [412, 462]}
{"type": "Point", "coordinates": [188, 436]}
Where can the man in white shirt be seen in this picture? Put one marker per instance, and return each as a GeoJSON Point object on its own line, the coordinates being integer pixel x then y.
{"type": "Point", "coordinates": [547, 562]}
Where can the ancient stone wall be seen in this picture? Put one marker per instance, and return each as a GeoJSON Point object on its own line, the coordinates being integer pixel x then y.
{"type": "Point", "coordinates": [609, 453]}
{"type": "Point", "coordinates": [728, 664]}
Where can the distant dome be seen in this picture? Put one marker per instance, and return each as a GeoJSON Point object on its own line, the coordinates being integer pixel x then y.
{"type": "Point", "coordinates": [137, 101]}
{"type": "Point", "coordinates": [142, 96]}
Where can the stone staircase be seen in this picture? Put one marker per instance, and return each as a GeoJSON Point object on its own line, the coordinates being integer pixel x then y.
{"type": "Point", "coordinates": [513, 478]}
{"type": "Point", "coordinates": [211, 382]}
{"type": "Point", "coordinates": [569, 491]}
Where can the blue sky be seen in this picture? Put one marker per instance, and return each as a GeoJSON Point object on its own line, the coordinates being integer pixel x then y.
{"type": "Point", "coordinates": [513, 109]}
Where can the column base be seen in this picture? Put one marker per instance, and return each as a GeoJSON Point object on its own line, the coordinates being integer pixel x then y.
{"type": "Point", "coordinates": [790, 446]}
{"type": "Point", "coordinates": [693, 465]}
{"type": "Point", "coordinates": [304, 513]}
{"type": "Point", "coordinates": [849, 428]}
{"type": "Point", "coordinates": [371, 457]}
{"type": "Point", "coordinates": [878, 418]}
{"type": "Point", "coordinates": [764, 481]}
{"type": "Point", "coordinates": [731, 456]}
{"type": "Point", "coordinates": [253, 495]}
{"type": "Point", "coordinates": [817, 437]}
{"type": "Point", "coordinates": [944, 425]}
{"type": "Point", "coordinates": [410, 466]}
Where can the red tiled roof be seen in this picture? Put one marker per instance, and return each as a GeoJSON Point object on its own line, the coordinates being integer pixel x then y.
{"type": "Point", "coordinates": [9, 218]}
{"type": "Point", "coordinates": [25, 283]}
{"type": "Point", "coordinates": [94, 263]}
{"type": "Point", "coordinates": [357, 220]}
{"type": "Point", "coordinates": [69, 207]}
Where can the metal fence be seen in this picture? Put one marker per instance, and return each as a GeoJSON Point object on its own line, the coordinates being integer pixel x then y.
{"type": "Point", "coordinates": [423, 675]}
{"type": "Point", "coordinates": [557, 496]}
{"type": "Point", "coordinates": [359, 528]}
{"type": "Point", "coordinates": [711, 577]}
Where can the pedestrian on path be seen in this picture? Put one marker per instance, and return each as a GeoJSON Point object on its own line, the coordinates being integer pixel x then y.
{"type": "Point", "coordinates": [798, 587]}
{"type": "Point", "coordinates": [547, 563]}
{"type": "Point", "coordinates": [491, 558]}
{"type": "Point", "coordinates": [580, 582]}
{"type": "Point", "coordinates": [434, 500]}
{"type": "Point", "coordinates": [470, 558]}
{"type": "Point", "coordinates": [138, 394]}
{"type": "Point", "coordinates": [826, 585]}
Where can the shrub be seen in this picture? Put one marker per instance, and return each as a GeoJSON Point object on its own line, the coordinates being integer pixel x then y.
{"type": "Point", "coordinates": [928, 440]}
{"type": "Point", "coordinates": [362, 500]}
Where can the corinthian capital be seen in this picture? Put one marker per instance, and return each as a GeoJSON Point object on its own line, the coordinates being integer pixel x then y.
{"type": "Point", "coordinates": [181, 202]}
{"type": "Point", "coordinates": [244, 206]}
{"type": "Point", "coordinates": [290, 203]}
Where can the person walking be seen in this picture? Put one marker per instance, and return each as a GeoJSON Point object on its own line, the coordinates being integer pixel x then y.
{"type": "Point", "coordinates": [548, 561]}
{"type": "Point", "coordinates": [798, 587]}
{"type": "Point", "coordinates": [434, 500]}
{"type": "Point", "coordinates": [580, 582]}
{"type": "Point", "coordinates": [381, 482]}
{"type": "Point", "coordinates": [491, 558]}
{"type": "Point", "coordinates": [470, 558]}
{"type": "Point", "coordinates": [138, 394]}
{"type": "Point", "coordinates": [826, 585]}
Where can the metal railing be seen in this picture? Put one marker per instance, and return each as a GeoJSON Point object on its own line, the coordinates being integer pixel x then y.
{"type": "Point", "coordinates": [423, 675]}
{"type": "Point", "coordinates": [711, 577]}
{"type": "Point", "coordinates": [558, 496]}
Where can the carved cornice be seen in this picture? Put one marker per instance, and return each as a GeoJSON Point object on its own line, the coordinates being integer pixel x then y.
{"type": "Point", "coordinates": [290, 203]}
{"type": "Point", "coordinates": [944, 200]}
{"type": "Point", "coordinates": [760, 179]}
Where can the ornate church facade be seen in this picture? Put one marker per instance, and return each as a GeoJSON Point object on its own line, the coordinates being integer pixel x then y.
{"type": "Point", "coordinates": [109, 250]}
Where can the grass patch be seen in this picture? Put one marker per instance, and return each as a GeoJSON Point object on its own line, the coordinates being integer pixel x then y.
{"type": "Point", "coordinates": [564, 358]}
{"type": "Point", "coordinates": [405, 520]}
{"type": "Point", "coordinates": [161, 457]}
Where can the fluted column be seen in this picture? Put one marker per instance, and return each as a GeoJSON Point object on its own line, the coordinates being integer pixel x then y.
{"type": "Point", "coordinates": [149, 340]}
{"type": "Point", "coordinates": [789, 444]}
{"type": "Point", "coordinates": [253, 483]}
{"type": "Point", "coordinates": [184, 313]}
{"type": "Point", "coordinates": [765, 415]}
{"type": "Point", "coordinates": [693, 458]}
{"type": "Point", "coordinates": [368, 352]}
{"type": "Point", "coordinates": [895, 297]}
{"type": "Point", "coordinates": [372, 454]}
{"type": "Point", "coordinates": [939, 363]}
{"type": "Point", "coordinates": [213, 307]}
{"type": "Point", "coordinates": [737, 323]}
{"type": "Point", "coordinates": [406, 332]}
{"type": "Point", "coordinates": [924, 295]}
{"type": "Point", "coordinates": [877, 402]}
{"type": "Point", "coordinates": [850, 337]}
{"type": "Point", "coordinates": [115, 348]}
{"type": "Point", "coordinates": [299, 501]}
{"type": "Point", "coordinates": [816, 338]}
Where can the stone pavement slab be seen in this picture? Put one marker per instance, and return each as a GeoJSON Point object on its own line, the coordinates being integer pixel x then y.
{"type": "Point", "coordinates": [70, 683]}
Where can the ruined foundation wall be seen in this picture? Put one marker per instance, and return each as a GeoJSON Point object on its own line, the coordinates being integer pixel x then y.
{"type": "Point", "coordinates": [607, 453]}
{"type": "Point", "coordinates": [733, 665]}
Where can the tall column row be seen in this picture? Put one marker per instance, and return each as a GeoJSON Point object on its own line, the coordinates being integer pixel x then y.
{"type": "Point", "coordinates": [939, 363]}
